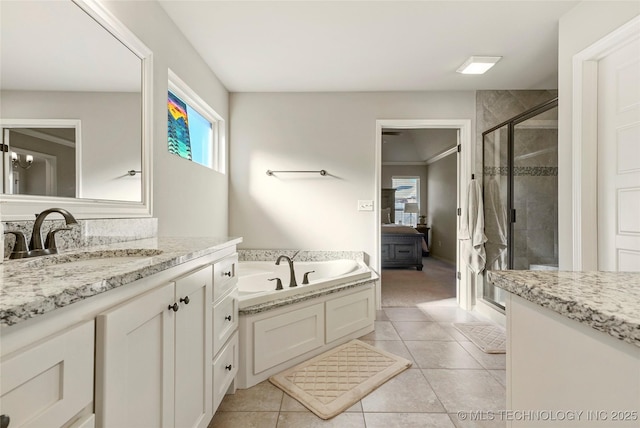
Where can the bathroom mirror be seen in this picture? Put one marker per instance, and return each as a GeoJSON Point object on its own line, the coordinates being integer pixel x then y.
{"type": "Point", "coordinates": [75, 114]}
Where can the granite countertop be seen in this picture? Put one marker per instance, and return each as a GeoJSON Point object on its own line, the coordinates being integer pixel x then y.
{"type": "Point", "coordinates": [31, 287]}
{"type": "Point", "coordinates": [607, 301]}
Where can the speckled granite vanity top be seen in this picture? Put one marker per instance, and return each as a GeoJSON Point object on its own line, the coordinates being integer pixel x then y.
{"type": "Point", "coordinates": [31, 287]}
{"type": "Point", "coordinates": [607, 301]}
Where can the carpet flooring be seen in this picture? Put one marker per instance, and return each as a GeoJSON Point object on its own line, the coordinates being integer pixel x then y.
{"type": "Point", "coordinates": [409, 287]}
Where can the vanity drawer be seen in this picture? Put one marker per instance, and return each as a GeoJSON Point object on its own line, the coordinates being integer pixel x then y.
{"type": "Point", "coordinates": [225, 368]}
{"type": "Point", "coordinates": [49, 383]}
{"type": "Point", "coordinates": [224, 276]}
{"type": "Point", "coordinates": [225, 320]}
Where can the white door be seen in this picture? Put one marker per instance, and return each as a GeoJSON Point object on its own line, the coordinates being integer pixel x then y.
{"type": "Point", "coordinates": [619, 158]}
{"type": "Point", "coordinates": [135, 362]}
{"type": "Point", "coordinates": [194, 350]}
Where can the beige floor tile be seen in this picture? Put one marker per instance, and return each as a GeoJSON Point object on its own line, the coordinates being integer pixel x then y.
{"type": "Point", "coordinates": [500, 375]}
{"type": "Point", "coordinates": [408, 420]}
{"type": "Point", "coordinates": [309, 420]}
{"type": "Point", "coordinates": [262, 397]}
{"type": "Point", "coordinates": [292, 405]}
{"type": "Point", "coordinates": [396, 347]}
{"type": "Point", "coordinates": [381, 315]}
{"type": "Point", "coordinates": [441, 355]}
{"type": "Point", "coordinates": [447, 313]}
{"type": "Point", "coordinates": [406, 314]}
{"type": "Point", "coordinates": [454, 332]}
{"type": "Point", "coordinates": [421, 330]}
{"type": "Point", "coordinates": [407, 392]}
{"type": "Point", "coordinates": [244, 420]}
{"type": "Point", "coordinates": [488, 361]}
{"type": "Point", "coordinates": [466, 389]}
{"type": "Point", "coordinates": [383, 331]}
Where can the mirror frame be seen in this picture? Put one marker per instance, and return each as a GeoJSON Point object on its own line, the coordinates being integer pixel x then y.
{"type": "Point", "coordinates": [23, 207]}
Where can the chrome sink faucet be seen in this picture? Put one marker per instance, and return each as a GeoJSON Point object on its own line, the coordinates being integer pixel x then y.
{"type": "Point", "coordinates": [292, 273]}
{"type": "Point", "coordinates": [35, 248]}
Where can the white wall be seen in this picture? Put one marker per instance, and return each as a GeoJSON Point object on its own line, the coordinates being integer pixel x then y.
{"type": "Point", "coordinates": [188, 199]}
{"type": "Point", "coordinates": [579, 28]}
{"type": "Point", "coordinates": [312, 131]}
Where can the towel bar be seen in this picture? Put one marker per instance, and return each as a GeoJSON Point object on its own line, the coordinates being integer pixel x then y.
{"type": "Point", "coordinates": [321, 172]}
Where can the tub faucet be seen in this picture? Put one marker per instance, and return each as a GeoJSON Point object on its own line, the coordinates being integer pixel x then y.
{"type": "Point", "coordinates": [35, 247]}
{"type": "Point", "coordinates": [292, 273]}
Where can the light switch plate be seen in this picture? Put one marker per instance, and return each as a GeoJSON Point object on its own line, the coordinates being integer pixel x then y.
{"type": "Point", "coordinates": [365, 205]}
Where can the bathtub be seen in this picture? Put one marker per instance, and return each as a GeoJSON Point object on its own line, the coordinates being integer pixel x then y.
{"type": "Point", "coordinates": [255, 288]}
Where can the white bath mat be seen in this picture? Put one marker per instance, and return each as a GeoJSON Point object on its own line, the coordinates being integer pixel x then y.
{"type": "Point", "coordinates": [490, 338]}
{"type": "Point", "coordinates": [334, 381]}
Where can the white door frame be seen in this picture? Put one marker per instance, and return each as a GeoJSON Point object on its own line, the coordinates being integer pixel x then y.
{"type": "Point", "coordinates": [464, 291]}
{"type": "Point", "coordinates": [585, 143]}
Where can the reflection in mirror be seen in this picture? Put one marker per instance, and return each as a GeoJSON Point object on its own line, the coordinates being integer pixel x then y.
{"type": "Point", "coordinates": [40, 161]}
{"type": "Point", "coordinates": [75, 70]}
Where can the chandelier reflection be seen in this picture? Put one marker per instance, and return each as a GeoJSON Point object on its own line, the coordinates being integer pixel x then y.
{"type": "Point", "coordinates": [16, 161]}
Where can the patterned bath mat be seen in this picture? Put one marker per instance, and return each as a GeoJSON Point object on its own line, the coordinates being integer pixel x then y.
{"type": "Point", "coordinates": [490, 338]}
{"type": "Point", "coordinates": [334, 381]}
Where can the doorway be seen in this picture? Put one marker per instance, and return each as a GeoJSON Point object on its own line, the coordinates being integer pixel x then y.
{"type": "Point", "coordinates": [463, 163]}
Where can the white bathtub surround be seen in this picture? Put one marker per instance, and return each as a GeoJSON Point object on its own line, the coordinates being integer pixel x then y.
{"type": "Point", "coordinates": [88, 232]}
{"type": "Point", "coordinates": [279, 329]}
{"type": "Point", "coordinates": [32, 287]}
{"type": "Point", "coordinates": [606, 301]}
{"type": "Point", "coordinates": [257, 293]}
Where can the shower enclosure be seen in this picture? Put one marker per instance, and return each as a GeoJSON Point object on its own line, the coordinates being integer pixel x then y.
{"type": "Point", "coordinates": [520, 184]}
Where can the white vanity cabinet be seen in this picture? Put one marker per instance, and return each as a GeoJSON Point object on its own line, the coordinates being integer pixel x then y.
{"type": "Point", "coordinates": [153, 357]}
{"type": "Point", "coordinates": [50, 383]}
{"type": "Point", "coordinates": [225, 327]}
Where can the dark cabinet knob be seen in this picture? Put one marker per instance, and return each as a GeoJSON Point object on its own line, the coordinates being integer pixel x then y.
{"type": "Point", "coordinates": [228, 317]}
{"type": "Point", "coordinates": [185, 300]}
{"type": "Point", "coordinates": [4, 421]}
{"type": "Point", "coordinates": [227, 274]}
{"type": "Point", "coordinates": [175, 307]}
{"type": "Point", "coordinates": [229, 367]}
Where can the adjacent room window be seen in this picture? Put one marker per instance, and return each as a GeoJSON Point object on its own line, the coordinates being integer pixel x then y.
{"type": "Point", "coordinates": [407, 203]}
{"type": "Point", "coordinates": [194, 128]}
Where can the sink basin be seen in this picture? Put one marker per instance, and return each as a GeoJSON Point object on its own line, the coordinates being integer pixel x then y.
{"type": "Point", "coordinates": [94, 258]}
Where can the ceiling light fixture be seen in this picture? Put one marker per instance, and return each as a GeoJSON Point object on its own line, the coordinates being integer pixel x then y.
{"type": "Point", "coordinates": [478, 64]}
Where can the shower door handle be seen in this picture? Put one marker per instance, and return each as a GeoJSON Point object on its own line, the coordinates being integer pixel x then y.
{"type": "Point", "coordinates": [513, 215]}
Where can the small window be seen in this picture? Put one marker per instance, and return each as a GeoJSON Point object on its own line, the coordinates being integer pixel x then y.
{"type": "Point", "coordinates": [407, 203]}
{"type": "Point", "coordinates": [194, 129]}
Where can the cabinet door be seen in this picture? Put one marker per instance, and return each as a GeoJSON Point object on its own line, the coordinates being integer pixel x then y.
{"type": "Point", "coordinates": [135, 362]}
{"type": "Point", "coordinates": [193, 381]}
{"type": "Point", "coordinates": [48, 383]}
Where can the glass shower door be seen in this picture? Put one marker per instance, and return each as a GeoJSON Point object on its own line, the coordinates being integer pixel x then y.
{"type": "Point", "coordinates": [535, 192]}
{"type": "Point", "coordinates": [496, 187]}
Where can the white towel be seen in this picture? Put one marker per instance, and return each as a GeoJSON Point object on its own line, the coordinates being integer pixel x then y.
{"type": "Point", "coordinates": [472, 229]}
{"type": "Point", "coordinates": [495, 227]}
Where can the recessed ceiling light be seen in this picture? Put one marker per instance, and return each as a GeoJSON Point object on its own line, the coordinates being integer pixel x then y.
{"type": "Point", "coordinates": [478, 64]}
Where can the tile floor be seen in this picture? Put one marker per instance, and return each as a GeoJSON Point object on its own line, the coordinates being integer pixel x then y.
{"type": "Point", "coordinates": [450, 374]}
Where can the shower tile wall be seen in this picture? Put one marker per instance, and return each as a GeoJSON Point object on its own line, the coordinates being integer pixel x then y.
{"type": "Point", "coordinates": [536, 197]}
{"type": "Point", "coordinates": [535, 171]}
{"type": "Point", "coordinates": [494, 107]}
